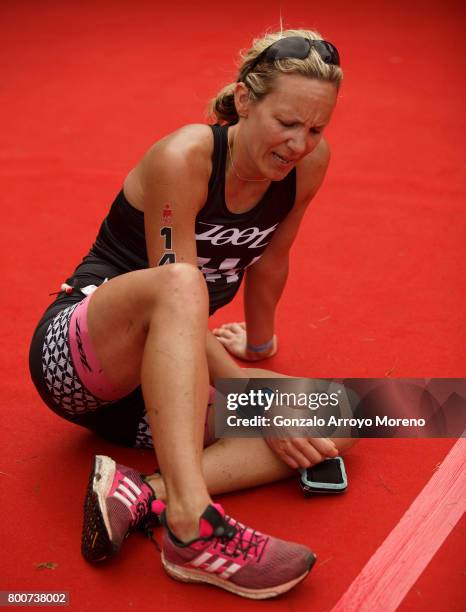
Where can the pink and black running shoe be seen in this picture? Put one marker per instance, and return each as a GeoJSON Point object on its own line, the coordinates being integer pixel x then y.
{"type": "Point", "coordinates": [234, 557]}
{"type": "Point", "coordinates": [118, 501]}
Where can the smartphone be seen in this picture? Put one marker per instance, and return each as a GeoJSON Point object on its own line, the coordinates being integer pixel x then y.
{"type": "Point", "coordinates": [329, 476]}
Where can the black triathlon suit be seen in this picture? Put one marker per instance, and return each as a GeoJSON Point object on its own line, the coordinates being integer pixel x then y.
{"type": "Point", "coordinates": [226, 243]}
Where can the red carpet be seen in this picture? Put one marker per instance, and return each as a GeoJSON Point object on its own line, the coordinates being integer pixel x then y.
{"type": "Point", "coordinates": [377, 283]}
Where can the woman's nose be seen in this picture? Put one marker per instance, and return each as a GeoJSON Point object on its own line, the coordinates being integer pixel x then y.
{"type": "Point", "coordinates": [298, 144]}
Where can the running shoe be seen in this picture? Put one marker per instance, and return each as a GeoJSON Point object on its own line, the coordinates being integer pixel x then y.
{"type": "Point", "coordinates": [234, 557]}
{"type": "Point", "coordinates": [118, 501]}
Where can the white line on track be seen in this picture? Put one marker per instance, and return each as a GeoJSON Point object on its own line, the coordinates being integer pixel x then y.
{"type": "Point", "coordinates": [390, 573]}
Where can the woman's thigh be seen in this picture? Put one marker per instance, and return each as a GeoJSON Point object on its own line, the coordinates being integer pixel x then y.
{"type": "Point", "coordinates": [120, 312]}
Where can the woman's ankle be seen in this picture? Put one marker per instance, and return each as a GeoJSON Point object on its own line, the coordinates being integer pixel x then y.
{"type": "Point", "coordinates": [156, 483]}
{"type": "Point", "coordinates": [184, 522]}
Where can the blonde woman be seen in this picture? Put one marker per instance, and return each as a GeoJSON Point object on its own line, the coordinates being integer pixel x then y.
{"type": "Point", "coordinates": [125, 349]}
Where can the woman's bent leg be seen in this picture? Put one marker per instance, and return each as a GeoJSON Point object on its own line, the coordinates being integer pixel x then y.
{"type": "Point", "coordinates": [173, 375]}
{"type": "Point", "coordinates": [149, 327]}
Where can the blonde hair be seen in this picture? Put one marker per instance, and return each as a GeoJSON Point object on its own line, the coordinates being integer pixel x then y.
{"type": "Point", "coordinates": [261, 80]}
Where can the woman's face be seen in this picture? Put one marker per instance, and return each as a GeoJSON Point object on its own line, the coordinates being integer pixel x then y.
{"type": "Point", "coordinates": [286, 125]}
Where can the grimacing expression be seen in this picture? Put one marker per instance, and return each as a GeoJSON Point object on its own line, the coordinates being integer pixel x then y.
{"type": "Point", "coordinates": [287, 124]}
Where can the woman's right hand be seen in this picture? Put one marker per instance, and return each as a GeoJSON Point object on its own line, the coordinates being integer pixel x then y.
{"type": "Point", "coordinates": [302, 452]}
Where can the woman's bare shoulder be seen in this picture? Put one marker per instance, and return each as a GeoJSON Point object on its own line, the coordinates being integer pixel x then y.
{"type": "Point", "coordinates": [189, 140]}
{"type": "Point", "coordinates": [187, 150]}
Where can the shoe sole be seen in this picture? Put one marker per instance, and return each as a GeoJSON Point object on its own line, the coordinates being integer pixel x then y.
{"type": "Point", "coordinates": [96, 541]}
{"type": "Point", "coordinates": [193, 575]}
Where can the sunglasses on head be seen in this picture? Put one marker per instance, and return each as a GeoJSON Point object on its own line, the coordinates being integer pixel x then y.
{"type": "Point", "coordinates": [295, 47]}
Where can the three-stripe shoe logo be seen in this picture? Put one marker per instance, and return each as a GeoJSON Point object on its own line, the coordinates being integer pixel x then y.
{"type": "Point", "coordinates": [127, 492]}
{"type": "Point", "coordinates": [203, 561]}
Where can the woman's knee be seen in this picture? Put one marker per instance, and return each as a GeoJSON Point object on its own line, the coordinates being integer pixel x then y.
{"type": "Point", "coordinates": [174, 289]}
{"type": "Point", "coordinates": [177, 286]}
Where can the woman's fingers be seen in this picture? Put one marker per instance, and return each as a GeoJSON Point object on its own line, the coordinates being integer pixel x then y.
{"type": "Point", "coordinates": [223, 333]}
{"type": "Point", "coordinates": [324, 446]}
{"type": "Point", "coordinates": [301, 452]}
{"type": "Point", "coordinates": [289, 461]}
{"type": "Point", "coordinates": [286, 454]}
{"type": "Point", "coordinates": [295, 452]}
{"type": "Point", "coordinates": [235, 327]}
{"type": "Point", "coordinates": [311, 454]}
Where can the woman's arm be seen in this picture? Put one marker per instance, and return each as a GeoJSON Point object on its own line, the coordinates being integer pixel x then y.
{"type": "Point", "coordinates": [263, 288]}
{"type": "Point", "coordinates": [174, 176]}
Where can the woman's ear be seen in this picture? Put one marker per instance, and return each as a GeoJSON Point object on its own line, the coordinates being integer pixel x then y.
{"type": "Point", "coordinates": [242, 99]}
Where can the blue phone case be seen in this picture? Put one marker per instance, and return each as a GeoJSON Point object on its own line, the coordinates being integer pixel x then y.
{"type": "Point", "coordinates": [325, 481]}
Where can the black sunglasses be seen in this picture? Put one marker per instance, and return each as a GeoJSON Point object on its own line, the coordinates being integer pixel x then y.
{"type": "Point", "coordinates": [295, 47]}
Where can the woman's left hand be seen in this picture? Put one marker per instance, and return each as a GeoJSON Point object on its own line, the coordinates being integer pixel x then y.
{"type": "Point", "coordinates": [234, 338]}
